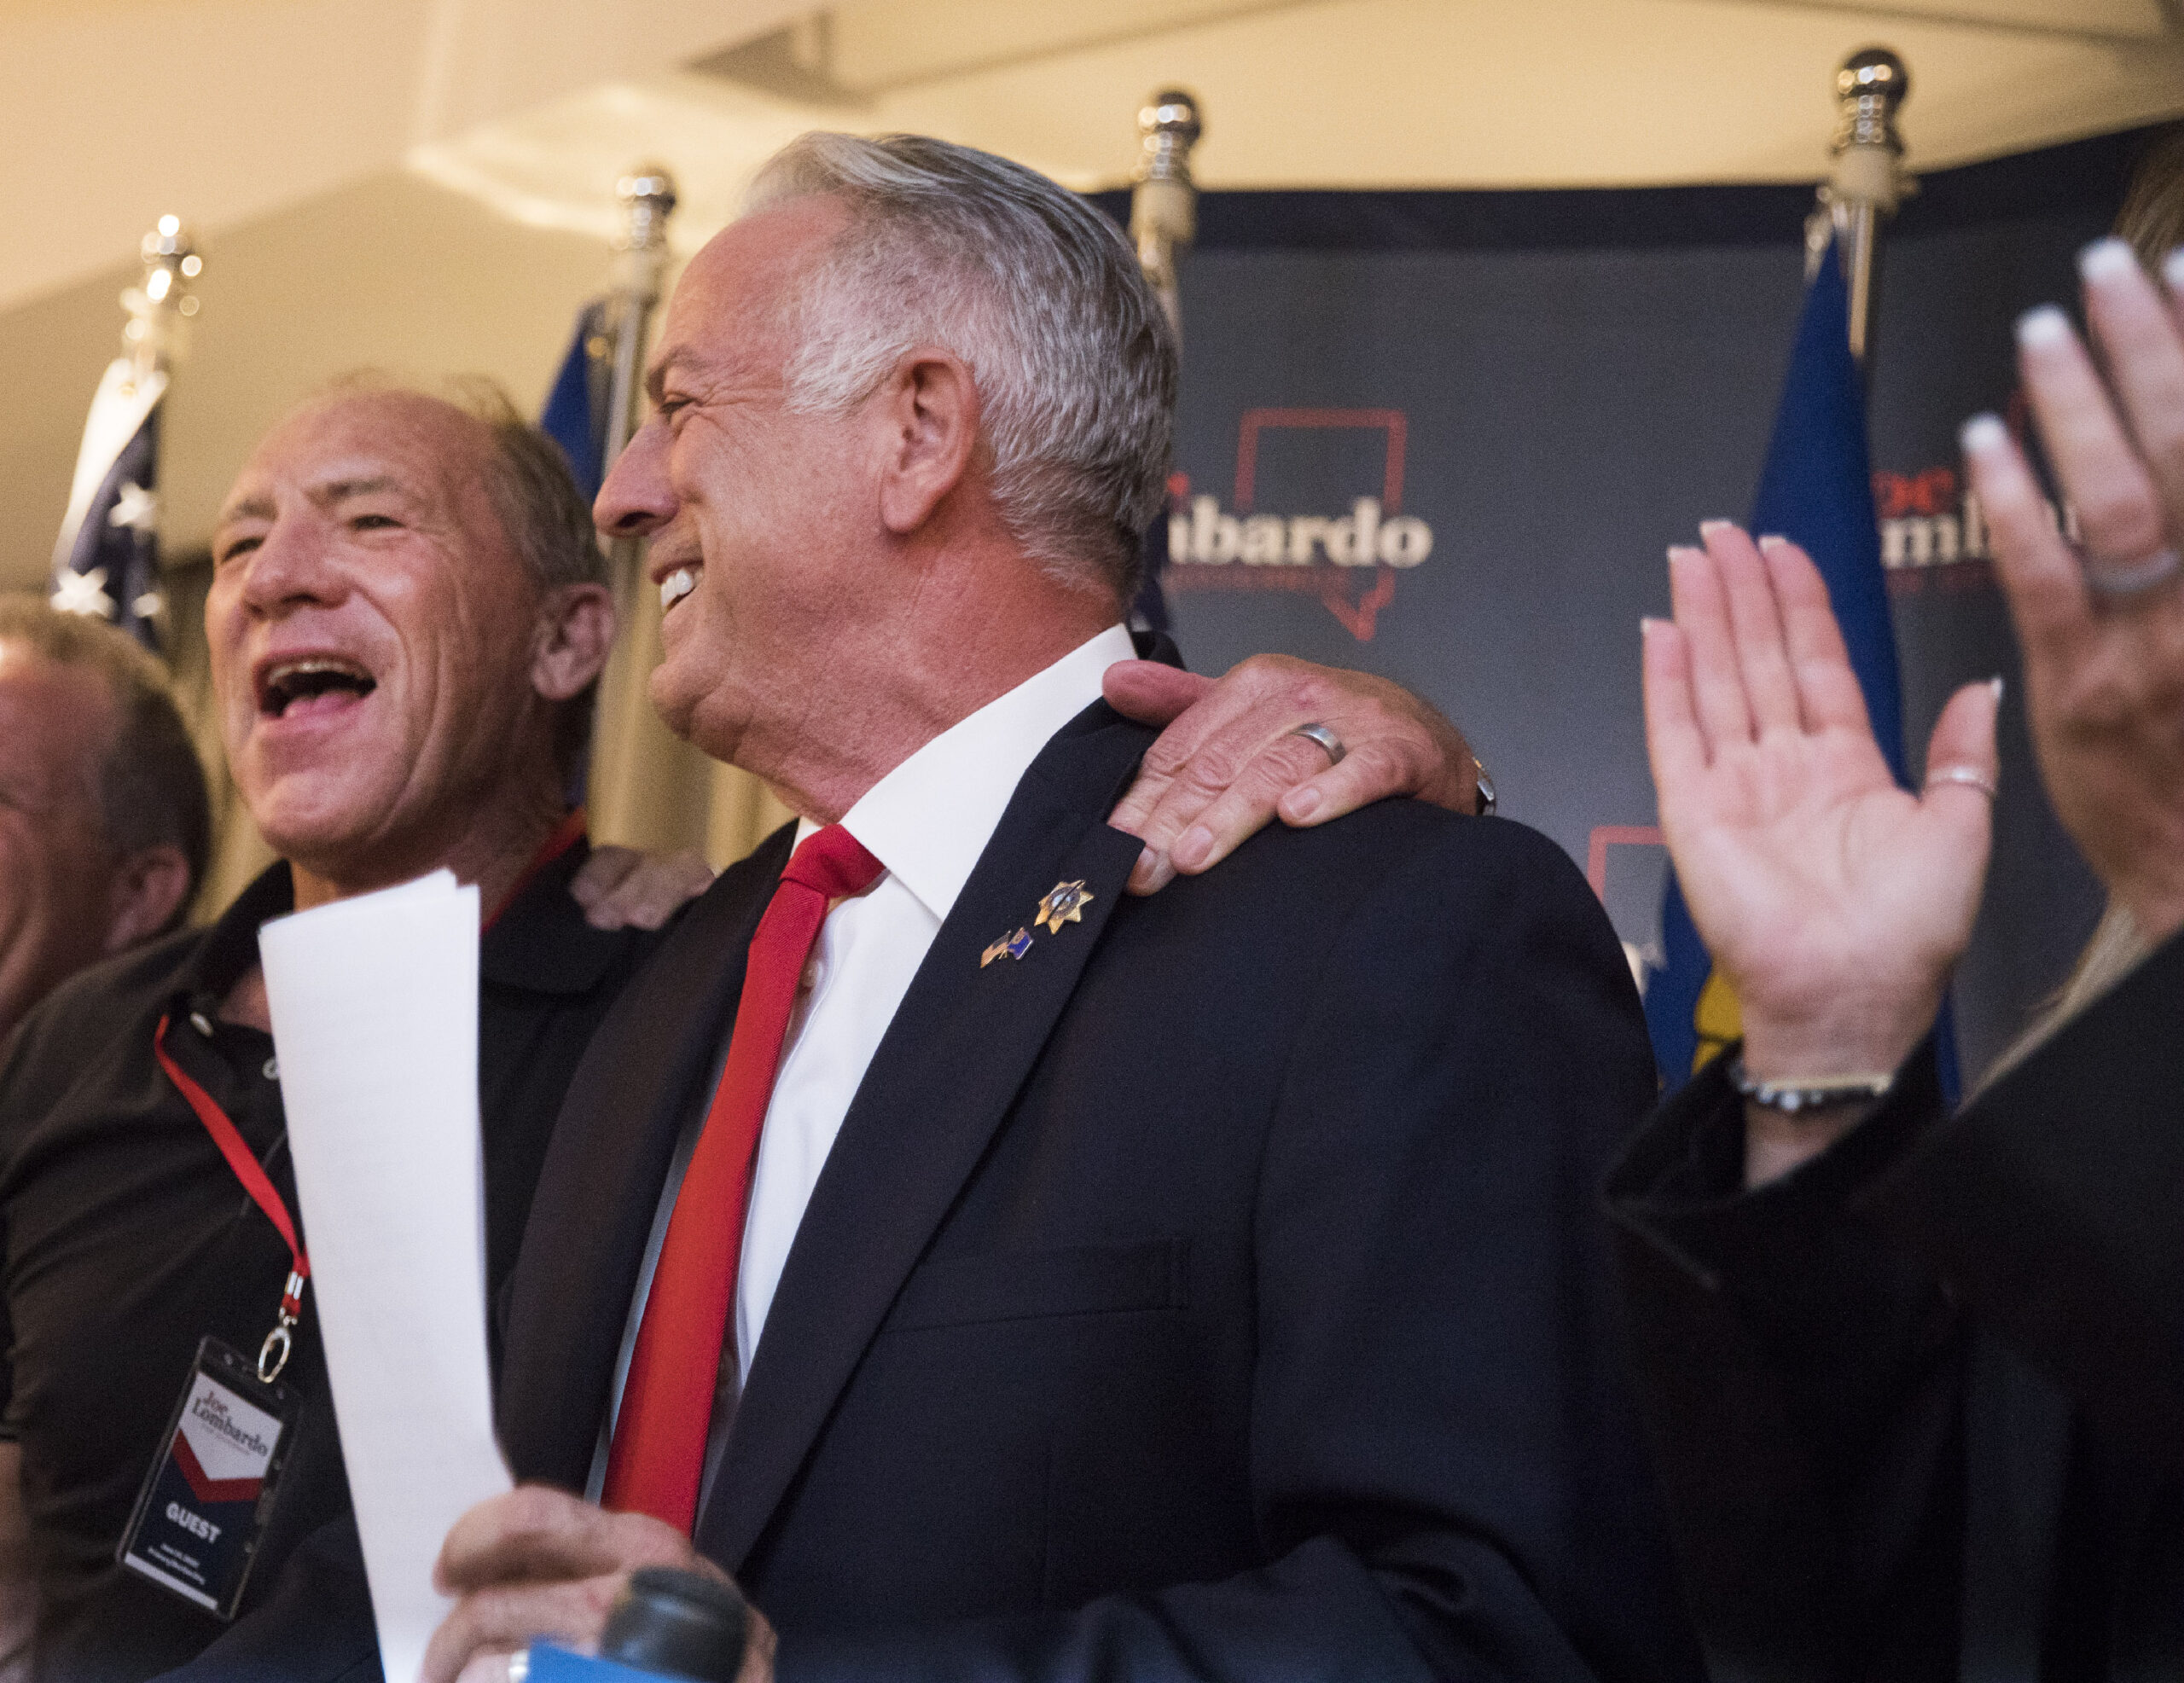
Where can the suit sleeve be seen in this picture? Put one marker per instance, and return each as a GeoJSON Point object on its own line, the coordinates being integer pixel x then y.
{"type": "Point", "coordinates": [1445, 1464]}
{"type": "Point", "coordinates": [2049, 1207]}
{"type": "Point", "coordinates": [1804, 1349]}
{"type": "Point", "coordinates": [1801, 1382]}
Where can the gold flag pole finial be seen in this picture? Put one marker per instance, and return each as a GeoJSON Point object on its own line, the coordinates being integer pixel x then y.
{"type": "Point", "coordinates": [641, 252]}
{"type": "Point", "coordinates": [1866, 183]}
{"type": "Point", "coordinates": [1163, 204]}
{"type": "Point", "coordinates": [647, 197]}
{"type": "Point", "coordinates": [646, 788]}
{"type": "Point", "coordinates": [159, 305]}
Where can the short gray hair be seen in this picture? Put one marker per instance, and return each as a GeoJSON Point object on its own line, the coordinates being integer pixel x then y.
{"type": "Point", "coordinates": [1036, 290]}
{"type": "Point", "coordinates": [529, 479]}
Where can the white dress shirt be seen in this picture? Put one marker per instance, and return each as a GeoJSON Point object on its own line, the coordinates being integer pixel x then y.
{"type": "Point", "coordinates": [927, 822]}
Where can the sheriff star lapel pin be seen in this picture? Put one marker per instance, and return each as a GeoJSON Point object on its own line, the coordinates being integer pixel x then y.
{"type": "Point", "coordinates": [1065, 903]}
{"type": "Point", "coordinates": [1009, 946]}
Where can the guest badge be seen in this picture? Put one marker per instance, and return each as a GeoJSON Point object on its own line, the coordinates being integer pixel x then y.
{"type": "Point", "coordinates": [205, 1502]}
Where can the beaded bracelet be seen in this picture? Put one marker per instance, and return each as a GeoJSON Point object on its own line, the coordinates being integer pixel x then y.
{"type": "Point", "coordinates": [1809, 1093]}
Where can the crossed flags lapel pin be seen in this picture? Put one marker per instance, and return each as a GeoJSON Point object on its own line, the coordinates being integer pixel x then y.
{"type": "Point", "coordinates": [1009, 946]}
{"type": "Point", "coordinates": [1065, 903]}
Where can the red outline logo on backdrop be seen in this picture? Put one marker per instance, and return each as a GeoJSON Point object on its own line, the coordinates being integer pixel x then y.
{"type": "Point", "coordinates": [1325, 556]}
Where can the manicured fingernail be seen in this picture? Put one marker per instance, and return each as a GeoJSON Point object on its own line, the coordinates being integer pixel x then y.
{"type": "Point", "coordinates": [2107, 259]}
{"type": "Point", "coordinates": [2172, 269]}
{"type": "Point", "coordinates": [1995, 684]}
{"type": "Point", "coordinates": [1191, 847]}
{"type": "Point", "coordinates": [1647, 622]}
{"type": "Point", "coordinates": [1299, 804]}
{"type": "Point", "coordinates": [1982, 434]}
{"type": "Point", "coordinates": [2043, 328]}
{"type": "Point", "coordinates": [1707, 528]}
{"type": "Point", "coordinates": [1774, 540]}
{"type": "Point", "coordinates": [1685, 552]}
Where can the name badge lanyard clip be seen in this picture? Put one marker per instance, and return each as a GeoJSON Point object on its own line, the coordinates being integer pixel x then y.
{"type": "Point", "coordinates": [273, 1353]}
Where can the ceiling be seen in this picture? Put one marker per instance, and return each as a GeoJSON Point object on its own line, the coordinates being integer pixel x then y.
{"type": "Point", "coordinates": [427, 184]}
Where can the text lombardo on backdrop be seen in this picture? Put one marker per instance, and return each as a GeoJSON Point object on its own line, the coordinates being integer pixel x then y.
{"type": "Point", "coordinates": [1445, 436]}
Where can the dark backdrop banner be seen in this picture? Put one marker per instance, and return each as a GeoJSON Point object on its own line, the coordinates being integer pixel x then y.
{"type": "Point", "coordinates": [1447, 437]}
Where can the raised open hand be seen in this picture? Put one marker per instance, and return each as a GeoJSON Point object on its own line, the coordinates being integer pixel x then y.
{"type": "Point", "coordinates": [2103, 633]}
{"type": "Point", "coordinates": [1833, 901]}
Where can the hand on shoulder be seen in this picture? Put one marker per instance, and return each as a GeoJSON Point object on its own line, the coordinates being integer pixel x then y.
{"type": "Point", "coordinates": [1234, 756]}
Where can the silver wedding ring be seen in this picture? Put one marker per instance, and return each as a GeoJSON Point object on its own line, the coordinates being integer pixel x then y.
{"type": "Point", "coordinates": [1971, 776]}
{"type": "Point", "coordinates": [2114, 581]}
{"type": "Point", "coordinates": [1327, 739]}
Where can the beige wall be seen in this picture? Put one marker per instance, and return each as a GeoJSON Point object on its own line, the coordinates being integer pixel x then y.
{"type": "Point", "coordinates": [112, 111]}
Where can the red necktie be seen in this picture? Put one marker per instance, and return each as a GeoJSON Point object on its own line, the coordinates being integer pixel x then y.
{"type": "Point", "coordinates": [659, 1436]}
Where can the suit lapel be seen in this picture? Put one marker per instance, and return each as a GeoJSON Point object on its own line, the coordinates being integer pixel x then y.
{"type": "Point", "coordinates": [569, 1297]}
{"type": "Point", "coordinates": [961, 1046]}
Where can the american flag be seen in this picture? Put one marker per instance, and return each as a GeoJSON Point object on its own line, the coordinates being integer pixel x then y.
{"type": "Point", "coordinates": [106, 558]}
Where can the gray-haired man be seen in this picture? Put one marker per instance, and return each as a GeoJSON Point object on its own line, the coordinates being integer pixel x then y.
{"type": "Point", "coordinates": [999, 1277]}
{"type": "Point", "coordinates": [103, 827]}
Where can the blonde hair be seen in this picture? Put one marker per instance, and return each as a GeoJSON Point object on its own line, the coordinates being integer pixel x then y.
{"type": "Point", "coordinates": [2115, 950]}
{"type": "Point", "coordinates": [2152, 216]}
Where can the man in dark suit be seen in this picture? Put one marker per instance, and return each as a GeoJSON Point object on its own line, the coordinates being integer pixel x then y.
{"type": "Point", "coordinates": [999, 1277]}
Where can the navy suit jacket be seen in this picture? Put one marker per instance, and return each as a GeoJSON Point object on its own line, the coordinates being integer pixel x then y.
{"type": "Point", "coordinates": [1215, 1291]}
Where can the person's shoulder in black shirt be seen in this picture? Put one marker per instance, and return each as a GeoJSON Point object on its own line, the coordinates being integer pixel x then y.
{"type": "Point", "coordinates": [127, 1239]}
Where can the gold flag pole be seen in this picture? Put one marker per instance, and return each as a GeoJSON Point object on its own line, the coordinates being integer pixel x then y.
{"type": "Point", "coordinates": [647, 788]}
{"type": "Point", "coordinates": [648, 196]}
{"type": "Point", "coordinates": [159, 309]}
{"type": "Point", "coordinates": [1867, 183]}
{"type": "Point", "coordinates": [153, 339]}
{"type": "Point", "coordinates": [1164, 202]}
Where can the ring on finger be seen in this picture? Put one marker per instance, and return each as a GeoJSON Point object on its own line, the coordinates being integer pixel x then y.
{"type": "Point", "coordinates": [1327, 739]}
{"type": "Point", "coordinates": [2117, 581]}
{"type": "Point", "coordinates": [1969, 776]}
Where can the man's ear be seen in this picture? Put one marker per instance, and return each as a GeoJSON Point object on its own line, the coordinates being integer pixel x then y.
{"type": "Point", "coordinates": [930, 410]}
{"type": "Point", "coordinates": [576, 630]}
{"type": "Point", "coordinates": [148, 888]}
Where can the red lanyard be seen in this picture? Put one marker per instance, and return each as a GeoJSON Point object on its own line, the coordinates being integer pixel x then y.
{"type": "Point", "coordinates": [566, 834]}
{"type": "Point", "coordinates": [273, 1356]}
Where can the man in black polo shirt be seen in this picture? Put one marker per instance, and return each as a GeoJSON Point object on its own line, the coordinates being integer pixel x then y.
{"type": "Point", "coordinates": [406, 618]}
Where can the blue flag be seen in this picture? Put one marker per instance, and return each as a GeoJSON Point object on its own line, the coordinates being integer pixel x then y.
{"type": "Point", "coordinates": [576, 408]}
{"type": "Point", "coordinates": [1815, 490]}
{"type": "Point", "coordinates": [106, 561]}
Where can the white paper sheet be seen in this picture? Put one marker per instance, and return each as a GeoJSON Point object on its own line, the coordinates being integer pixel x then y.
{"type": "Point", "coordinates": [374, 1006]}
